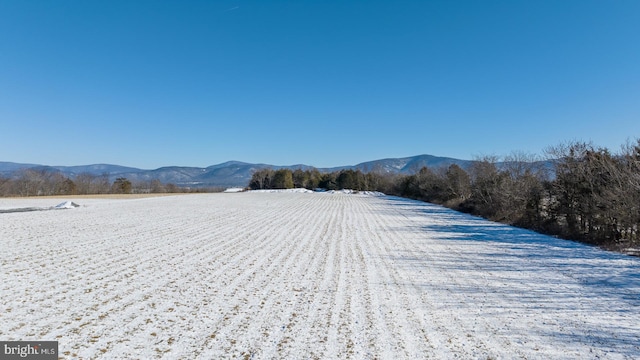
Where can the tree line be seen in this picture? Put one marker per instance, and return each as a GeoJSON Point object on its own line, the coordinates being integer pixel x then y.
{"type": "Point", "coordinates": [314, 179]}
{"type": "Point", "coordinates": [46, 182]}
{"type": "Point", "coordinates": [581, 192]}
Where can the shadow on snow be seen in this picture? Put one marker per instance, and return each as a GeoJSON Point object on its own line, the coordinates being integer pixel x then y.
{"type": "Point", "coordinates": [524, 270]}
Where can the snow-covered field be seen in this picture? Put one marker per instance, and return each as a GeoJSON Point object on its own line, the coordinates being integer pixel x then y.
{"type": "Point", "coordinates": [299, 275]}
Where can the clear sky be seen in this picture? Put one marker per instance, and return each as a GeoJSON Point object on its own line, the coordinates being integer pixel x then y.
{"type": "Point", "coordinates": [324, 83]}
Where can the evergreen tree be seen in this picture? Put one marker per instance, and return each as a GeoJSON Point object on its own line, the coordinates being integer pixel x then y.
{"type": "Point", "coordinates": [121, 186]}
{"type": "Point", "coordinates": [282, 179]}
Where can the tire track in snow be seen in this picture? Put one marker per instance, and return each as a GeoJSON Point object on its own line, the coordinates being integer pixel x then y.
{"type": "Point", "coordinates": [230, 319]}
{"type": "Point", "coordinates": [396, 309]}
{"type": "Point", "coordinates": [271, 270]}
{"type": "Point", "coordinates": [449, 329]}
{"type": "Point", "coordinates": [303, 275]}
{"type": "Point", "coordinates": [318, 285]}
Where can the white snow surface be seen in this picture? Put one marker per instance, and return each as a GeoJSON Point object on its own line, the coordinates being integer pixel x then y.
{"type": "Point", "coordinates": [298, 276]}
{"type": "Point", "coordinates": [234, 190]}
{"type": "Point", "coordinates": [296, 190]}
{"type": "Point", "coordinates": [5, 208]}
{"type": "Point", "coordinates": [67, 205]}
{"type": "Point", "coordinates": [322, 191]}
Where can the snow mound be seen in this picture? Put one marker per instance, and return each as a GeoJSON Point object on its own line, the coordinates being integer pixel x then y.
{"type": "Point", "coordinates": [373, 193]}
{"type": "Point", "coordinates": [66, 205]}
{"type": "Point", "coordinates": [350, 191]}
{"type": "Point", "coordinates": [343, 191]}
{"type": "Point", "coordinates": [319, 190]}
{"type": "Point", "coordinates": [234, 190]}
{"type": "Point", "coordinates": [297, 190]}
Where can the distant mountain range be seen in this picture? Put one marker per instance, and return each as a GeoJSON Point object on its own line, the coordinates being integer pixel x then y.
{"type": "Point", "coordinates": [228, 174]}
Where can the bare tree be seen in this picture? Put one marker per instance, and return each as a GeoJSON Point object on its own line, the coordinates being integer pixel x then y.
{"type": "Point", "coordinates": [121, 186]}
{"type": "Point", "coordinates": [261, 179]}
{"type": "Point", "coordinates": [157, 186]}
{"type": "Point", "coordinates": [458, 184]}
{"type": "Point", "coordinates": [486, 189]}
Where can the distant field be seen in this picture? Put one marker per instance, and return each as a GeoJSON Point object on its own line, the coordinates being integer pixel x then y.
{"type": "Point", "coordinates": [299, 275]}
{"type": "Point", "coordinates": [44, 202]}
{"type": "Point", "coordinates": [98, 196]}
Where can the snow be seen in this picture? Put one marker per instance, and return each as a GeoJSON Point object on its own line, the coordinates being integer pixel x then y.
{"type": "Point", "coordinates": [342, 191]}
{"type": "Point", "coordinates": [290, 191]}
{"type": "Point", "coordinates": [234, 190]}
{"type": "Point", "coordinates": [67, 205]}
{"type": "Point", "coordinates": [64, 205]}
{"type": "Point", "coordinates": [292, 275]}
{"type": "Point", "coordinates": [322, 191]}
{"type": "Point", "coordinates": [350, 191]}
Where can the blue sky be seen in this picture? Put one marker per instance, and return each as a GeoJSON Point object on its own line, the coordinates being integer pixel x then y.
{"type": "Point", "coordinates": [325, 83]}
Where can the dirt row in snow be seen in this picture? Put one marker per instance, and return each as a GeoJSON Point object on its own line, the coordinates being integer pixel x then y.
{"type": "Point", "coordinates": [277, 275]}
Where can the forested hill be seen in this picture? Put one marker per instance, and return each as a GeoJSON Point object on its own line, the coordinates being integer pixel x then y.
{"type": "Point", "coordinates": [227, 174]}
